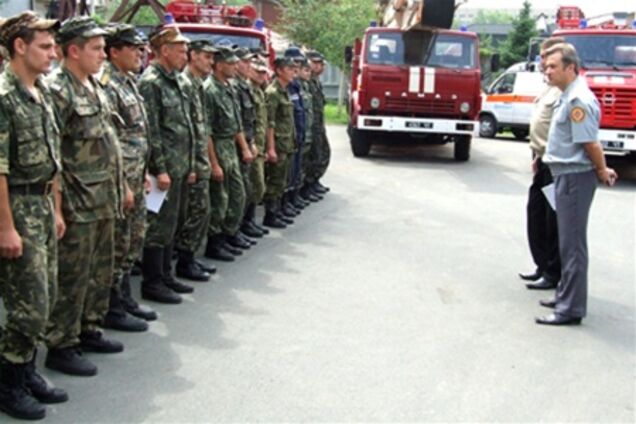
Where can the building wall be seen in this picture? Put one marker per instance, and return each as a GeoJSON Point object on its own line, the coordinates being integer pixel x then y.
{"type": "Point", "coordinates": [13, 7]}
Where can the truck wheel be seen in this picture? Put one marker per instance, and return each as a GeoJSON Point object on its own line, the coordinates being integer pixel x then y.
{"type": "Point", "coordinates": [487, 126]}
{"type": "Point", "coordinates": [462, 148]}
{"type": "Point", "coordinates": [520, 134]}
{"type": "Point", "coordinates": [360, 145]}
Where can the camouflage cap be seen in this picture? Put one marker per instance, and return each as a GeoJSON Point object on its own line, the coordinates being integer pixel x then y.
{"type": "Point", "coordinates": [315, 56]}
{"type": "Point", "coordinates": [10, 27]}
{"type": "Point", "coordinates": [124, 34]}
{"type": "Point", "coordinates": [294, 53]}
{"type": "Point", "coordinates": [166, 35]}
{"type": "Point", "coordinates": [202, 45]}
{"type": "Point", "coordinates": [244, 54]}
{"type": "Point", "coordinates": [80, 26]}
{"type": "Point", "coordinates": [259, 51]}
{"type": "Point", "coordinates": [226, 55]}
{"type": "Point", "coordinates": [282, 62]}
{"type": "Point", "coordinates": [259, 65]}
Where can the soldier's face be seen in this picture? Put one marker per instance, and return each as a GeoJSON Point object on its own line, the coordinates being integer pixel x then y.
{"type": "Point", "coordinates": [176, 55]}
{"type": "Point", "coordinates": [39, 54]}
{"type": "Point", "coordinates": [128, 58]}
{"type": "Point", "coordinates": [305, 73]}
{"type": "Point", "coordinates": [244, 67]}
{"type": "Point", "coordinates": [286, 73]}
{"type": "Point", "coordinates": [91, 57]}
{"type": "Point", "coordinates": [258, 76]}
{"type": "Point", "coordinates": [202, 62]}
{"type": "Point", "coordinates": [317, 68]}
{"type": "Point", "coordinates": [228, 70]}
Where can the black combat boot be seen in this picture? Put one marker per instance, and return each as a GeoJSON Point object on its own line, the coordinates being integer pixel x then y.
{"type": "Point", "coordinates": [15, 398]}
{"type": "Point", "coordinates": [39, 387]}
{"type": "Point", "coordinates": [168, 279]}
{"type": "Point", "coordinates": [189, 269]}
{"type": "Point", "coordinates": [260, 228]}
{"type": "Point", "coordinates": [94, 341]}
{"type": "Point", "coordinates": [279, 212]}
{"type": "Point", "coordinates": [271, 218]}
{"type": "Point", "coordinates": [69, 360]}
{"type": "Point", "coordinates": [215, 249]}
{"type": "Point", "coordinates": [246, 238]}
{"type": "Point", "coordinates": [248, 226]}
{"type": "Point", "coordinates": [321, 188]}
{"type": "Point", "coordinates": [297, 201]}
{"type": "Point", "coordinates": [235, 240]}
{"type": "Point", "coordinates": [130, 304]}
{"type": "Point", "coordinates": [286, 207]}
{"type": "Point", "coordinates": [313, 188]}
{"type": "Point", "coordinates": [152, 285]}
{"type": "Point", "coordinates": [210, 269]}
{"type": "Point", "coordinates": [308, 194]}
{"type": "Point", "coordinates": [117, 318]}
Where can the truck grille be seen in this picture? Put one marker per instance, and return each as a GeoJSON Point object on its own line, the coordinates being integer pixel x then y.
{"type": "Point", "coordinates": [413, 106]}
{"type": "Point", "coordinates": [618, 106]}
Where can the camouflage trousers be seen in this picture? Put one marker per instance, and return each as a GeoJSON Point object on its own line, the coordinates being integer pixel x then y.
{"type": "Point", "coordinates": [276, 175]}
{"type": "Point", "coordinates": [227, 198]}
{"type": "Point", "coordinates": [257, 179]}
{"type": "Point", "coordinates": [28, 284]}
{"type": "Point", "coordinates": [163, 226]}
{"type": "Point", "coordinates": [319, 156]}
{"type": "Point", "coordinates": [246, 173]}
{"type": "Point", "coordinates": [305, 168]}
{"type": "Point", "coordinates": [85, 273]}
{"type": "Point", "coordinates": [295, 168]}
{"type": "Point", "coordinates": [194, 216]}
{"type": "Point", "coordinates": [130, 231]}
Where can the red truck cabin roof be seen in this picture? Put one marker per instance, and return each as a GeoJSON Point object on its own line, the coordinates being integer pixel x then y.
{"type": "Point", "coordinates": [243, 37]}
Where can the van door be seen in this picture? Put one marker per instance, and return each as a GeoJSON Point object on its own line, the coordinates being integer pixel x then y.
{"type": "Point", "coordinates": [528, 85]}
{"type": "Point", "coordinates": [501, 98]}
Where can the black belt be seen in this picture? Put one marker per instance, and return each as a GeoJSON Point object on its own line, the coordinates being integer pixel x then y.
{"type": "Point", "coordinates": [40, 189]}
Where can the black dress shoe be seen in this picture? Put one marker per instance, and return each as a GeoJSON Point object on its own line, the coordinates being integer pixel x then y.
{"type": "Point", "coordinates": [263, 230]}
{"type": "Point", "coordinates": [210, 269]}
{"type": "Point", "coordinates": [140, 311]}
{"type": "Point", "coordinates": [220, 253]}
{"type": "Point", "coordinates": [548, 303]}
{"type": "Point", "coordinates": [556, 319]}
{"type": "Point", "coordinates": [542, 284]}
{"type": "Point", "coordinates": [160, 293]}
{"type": "Point", "coordinates": [123, 321]}
{"type": "Point", "coordinates": [94, 341]}
{"type": "Point", "coordinates": [530, 277]}
{"type": "Point", "coordinates": [250, 231]}
{"type": "Point", "coordinates": [271, 220]}
{"type": "Point", "coordinates": [190, 271]}
{"type": "Point", "coordinates": [287, 220]}
{"type": "Point", "coordinates": [238, 242]}
{"type": "Point", "coordinates": [246, 238]}
{"type": "Point", "coordinates": [177, 286]}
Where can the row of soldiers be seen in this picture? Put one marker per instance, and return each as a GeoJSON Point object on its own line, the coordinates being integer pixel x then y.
{"type": "Point", "coordinates": [79, 154]}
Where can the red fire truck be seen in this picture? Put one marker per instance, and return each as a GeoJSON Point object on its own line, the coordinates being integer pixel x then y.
{"type": "Point", "coordinates": [417, 82]}
{"type": "Point", "coordinates": [607, 49]}
{"type": "Point", "coordinates": [219, 23]}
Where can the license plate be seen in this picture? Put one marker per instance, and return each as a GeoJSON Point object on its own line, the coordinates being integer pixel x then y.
{"type": "Point", "coordinates": [612, 144]}
{"type": "Point", "coordinates": [412, 124]}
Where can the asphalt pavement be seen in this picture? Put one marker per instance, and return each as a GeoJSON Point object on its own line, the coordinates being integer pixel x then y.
{"type": "Point", "coordinates": [396, 298]}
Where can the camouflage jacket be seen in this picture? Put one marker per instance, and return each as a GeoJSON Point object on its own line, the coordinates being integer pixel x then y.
{"type": "Point", "coordinates": [246, 101]}
{"type": "Point", "coordinates": [318, 97]}
{"type": "Point", "coordinates": [308, 102]}
{"type": "Point", "coordinates": [223, 110]}
{"type": "Point", "coordinates": [92, 172]}
{"type": "Point", "coordinates": [280, 117]}
{"type": "Point", "coordinates": [29, 136]}
{"type": "Point", "coordinates": [197, 110]}
{"type": "Point", "coordinates": [171, 136]}
{"type": "Point", "coordinates": [131, 121]}
{"type": "Point", "coordinates": [260, 112]}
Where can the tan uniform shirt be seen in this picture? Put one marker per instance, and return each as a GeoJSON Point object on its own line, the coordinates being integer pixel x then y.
{"type": "Point", "coordinates": [541, 118]}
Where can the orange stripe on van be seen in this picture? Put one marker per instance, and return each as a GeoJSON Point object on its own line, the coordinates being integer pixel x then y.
{"type": "Point", "coordinates": [510, 98]}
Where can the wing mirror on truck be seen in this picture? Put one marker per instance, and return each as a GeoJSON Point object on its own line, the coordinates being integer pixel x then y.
{"type": "Point", "coordinates": [494, 62]}
{"type": "Point", "coordinates": [348, 55]}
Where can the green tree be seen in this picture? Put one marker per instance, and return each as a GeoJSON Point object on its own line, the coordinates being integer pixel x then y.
{"type": "Point", "coordinates": [326, 25]}
{"type": "Point", "coordinates": [145, 15]}
{"type": "Point", "coordinates": [515, 48]}
{"type": "Point", "coordinates": [492, 17]}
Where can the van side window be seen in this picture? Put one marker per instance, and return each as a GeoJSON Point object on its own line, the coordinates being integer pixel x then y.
{"type": "Point", "coordinates": [505, 84]}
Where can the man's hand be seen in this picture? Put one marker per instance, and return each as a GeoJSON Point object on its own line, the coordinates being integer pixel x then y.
{"type": "Point", "coordinates": [60, 226]}
{"type": "Point", "coordinates": [10, 244]}
{"type": "Point", "coordinates": [129, 200]}
{"type": "Point", "coordinates": [272, 157]}
{"type": "Point", "coordinates": [607, 176]}
{"type": "Point", "coordinates": [147, 184]}
{"type": "Point", "coordinates": [535, 165]}
{"type": "Point", "coordinates": [163, 181]}
{"type": "Point", "coordinates": [247, 156]}
{"type": "Point", "coordinates": [192, 178]}
{"type": "Point", "coordinates": [217, 173]}
{"type": "Point", "coordinates": [254, 150]}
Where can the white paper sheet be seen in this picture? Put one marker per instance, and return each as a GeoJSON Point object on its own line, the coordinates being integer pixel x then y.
{"type": "Point", "coordinates": [550, 195]}
{"type": "Point", "coordinates": [156, 197]}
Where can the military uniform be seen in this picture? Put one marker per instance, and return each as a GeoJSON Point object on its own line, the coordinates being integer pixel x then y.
{"type": "Point", "coordinates": [224, 124]}
{"type": "Point", "coordinates": [257, 176]}
{"type": "Point", "coordinates": [320, 150]}
{"type": "Point", "coordinates": [308, 103]}
{"type": "Point", "coordinates": [575, 122]}
{"type": "Point", "coordinates": [173, 147]}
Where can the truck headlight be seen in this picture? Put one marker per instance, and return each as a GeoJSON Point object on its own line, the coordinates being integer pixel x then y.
{"type": "Point", "coordinates": [464, 107]}
{"type": "Point", "coordinates": [375, 102]}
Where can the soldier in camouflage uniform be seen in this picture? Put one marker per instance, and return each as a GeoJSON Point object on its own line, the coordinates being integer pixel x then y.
{"type": "Point", "coordinates": [29, 164]}
{"type": "Point", "coordinates": [197, 208]}
{"type": "Point", "coordinates": [124, 51]}
{"type": "Point", "coordinates": [248, 119]}
{"type": "Point", "coordinates": [172, 148]}
{"type": "Point", "coordinates": [280, 142]}
{"type": "Point", "coordinates": [227, 197]}
{"type": "Point", "coordinates": [320, 153]}
{"type": "Point", "coordinates": [308, 103]}
{"type": "Point", "coordinates": [257, 175]}
{"type": "Point", "coordinates": [92, 191]}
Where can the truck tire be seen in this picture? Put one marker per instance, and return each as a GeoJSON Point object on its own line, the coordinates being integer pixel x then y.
{"type": "Point", "coordinates": [462, 148]}
{"type": "Point", "coordinates": [487, 126]}
{"type": "Point", "coordinates": [520, 134]}
{"type": "Point", "coordinates": [360, 145]}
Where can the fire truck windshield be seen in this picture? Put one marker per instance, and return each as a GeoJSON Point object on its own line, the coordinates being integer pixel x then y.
{"type": "Point", "coordinates": [421, 48]}
{"type": "Point", "coordinates": [613, 51]}
{"type": "Point", "coordinates": [240, 40]}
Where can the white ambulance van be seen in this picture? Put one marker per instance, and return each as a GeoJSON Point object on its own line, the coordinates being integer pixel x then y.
{"type": "Point", "coordinates": [507, 104]}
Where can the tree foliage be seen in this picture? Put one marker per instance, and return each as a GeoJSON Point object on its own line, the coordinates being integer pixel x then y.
{"type": "Point", "coordinates": [493, 17]}
{"type": "Point", "coordinates": [326, 25]}
{"type": "Point", "coordinates": [515, 48]}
